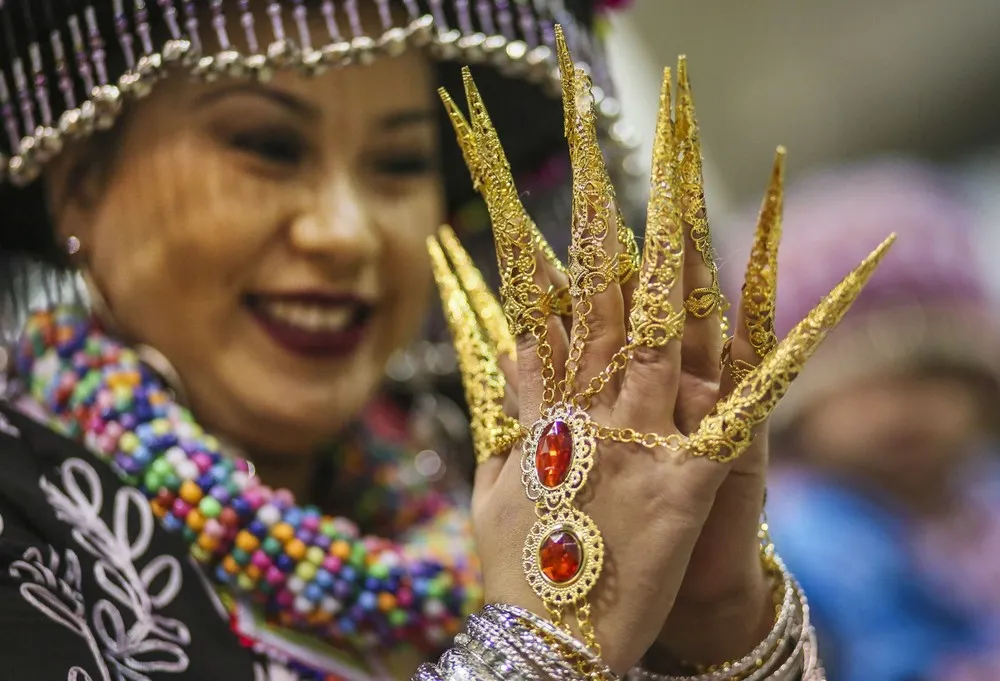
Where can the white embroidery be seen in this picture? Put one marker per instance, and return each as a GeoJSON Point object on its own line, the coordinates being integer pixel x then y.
{"type": "Point", "coordinates": [122, 652]}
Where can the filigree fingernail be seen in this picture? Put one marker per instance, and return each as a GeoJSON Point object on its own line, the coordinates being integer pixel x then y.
{"type": "Point", "coordinates": [760, 287]}
{"type": "Point", "coordinates": [703, 301]}
{"type": "Point", "coordinates": [654, 321]}
{"type": "Point", "coordinates": [728, 430]}
{"type": "Point", "coordinates": [481, 298]}
{"type": "Point", "coordinates": [493, 431]}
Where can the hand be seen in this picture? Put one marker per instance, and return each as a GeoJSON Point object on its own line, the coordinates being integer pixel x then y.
{"type": "Point", "coordinates": [651, 486]}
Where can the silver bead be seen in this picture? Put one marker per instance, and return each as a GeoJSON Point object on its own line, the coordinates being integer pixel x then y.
{"type": "Point", "coordinates": [48, 143]}
{"type": "Point", "coordinates": [336, 54]}
{"type": "Point", "coordinates": [281, 53]}
{"type": "Point", "coordinates": [175, 50]}
{"type": "Point", "coordinates": [312, 63]}
{"type": "Point", "coordinates": [420, 32]}
{"type": "Point", "coordinates": [258, 67]}
{"type": "Point", "coordinates": [107, 103]}
{"type": "Point", "coordinates": [131, 85]}
{"type": "Point", "coordinates": [538, 61]}
{"type": "Point", "coordinates": [230, 63]}
{"type": "Point", "coordinates": [393, 42]}
{"type": "Point", "coordinates": [205, 69]}
{"type": "Point", "coordinates": [71, 123]}
{"type": "Point", "coordinates": [445, 45]}
{"type": "Point", "coordinates": [471, 47]}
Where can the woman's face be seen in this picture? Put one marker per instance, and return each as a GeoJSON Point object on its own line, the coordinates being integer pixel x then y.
{"type": "Point", "coordinates": [268, 239]}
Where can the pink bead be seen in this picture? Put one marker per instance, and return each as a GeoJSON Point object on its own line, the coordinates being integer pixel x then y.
{"type": "Point", "coordinates": [274, 576]}
{"type": "Point", "coordinates": [284, 498]}
{"type": "Point", "coordinates": [260, 560]}
{"type": "Point", "coordinates": [213, 528]}
{"type": "Point", "coordinates": [253, 497]}
{"type": "Point", "coordinates": [404, 598]}
{"type": "Point", "coordinates": [202, 461]}
{"type": "Point", "coordinates": [181, 508]}
{"type": "Point", "coordinates": [114, 430]}
{"type": "Point", "coordinates": [285, 598]}
{"type": "Point", "coordinates": [332, 564]}
{"type": "Point", "coordinates": [311, 523]}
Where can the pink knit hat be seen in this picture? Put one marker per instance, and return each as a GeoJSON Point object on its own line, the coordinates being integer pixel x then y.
{"type": "Point", "coordinates": [927, 303]}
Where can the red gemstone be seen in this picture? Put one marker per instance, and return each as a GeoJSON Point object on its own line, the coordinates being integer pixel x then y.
{"type": "Point", "coordinates": [560, 557]}
{"type": "Point", "coordinates": [554, 454]}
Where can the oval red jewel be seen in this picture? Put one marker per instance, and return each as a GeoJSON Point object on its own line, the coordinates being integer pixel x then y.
{"type": "Point", "coordinates": [554, 454]}
{"type": "Point", "coordinates": [561, 557]}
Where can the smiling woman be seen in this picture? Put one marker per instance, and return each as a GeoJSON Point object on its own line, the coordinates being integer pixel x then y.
{"type": "Point", "coordinates": [201, 479]}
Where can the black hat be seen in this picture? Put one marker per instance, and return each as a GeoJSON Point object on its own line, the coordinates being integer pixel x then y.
{"type": "Point", "coordinates": [68, 66]}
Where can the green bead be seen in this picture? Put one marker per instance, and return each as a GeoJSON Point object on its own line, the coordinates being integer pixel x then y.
{"type": "Point", "coordinates": [359, 555]}
{"type": "Point", "coordinates": [171, 481]}
{"type": "Point", "coordinates": [271, 546]}
{"type": "Point", "coordinates": [244, 582]}
{"type": "Point", "coordinates": [210, 507]}
{"type": "Point", "coordinates": [435, 589]}
{"type": "Point", "coordinates": [153, 481]}
{"type": "Point", "coordinates": [315, 555]}
{"type": "Point", "coordinates": [379, 571]}
{"type": "Point", "coordinates": [240, 556]}
{"type": "Point", "coordinates": [189, 534]}
{"type": "Point", "coordinates": [327, 528]}
{"type": "Point", "coordinates": [161, 467]}
{"type": "Point", "coordinates": [397, 617]}
{"type": "Point", "coordinates": [305, 571]}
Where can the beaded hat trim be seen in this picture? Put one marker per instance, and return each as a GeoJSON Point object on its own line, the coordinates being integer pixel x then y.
{"type": "Point", "coordinates": [55, 84]}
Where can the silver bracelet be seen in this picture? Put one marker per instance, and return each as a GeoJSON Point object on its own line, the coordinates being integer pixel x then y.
{"type": "Point", "coordinates": [511, 644]}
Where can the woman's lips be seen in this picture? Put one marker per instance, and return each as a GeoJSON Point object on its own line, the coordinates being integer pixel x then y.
{"type": "Point", "coordinates": [315, 325]}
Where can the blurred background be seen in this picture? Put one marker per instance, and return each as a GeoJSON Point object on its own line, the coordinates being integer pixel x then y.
{"type": "Point", "coordinates": [832, 81]}
{"type": "Point", "coordinates": [884, 494]}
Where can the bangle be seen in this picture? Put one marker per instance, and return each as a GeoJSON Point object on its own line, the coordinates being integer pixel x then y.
{"type": "Point", "coordinates": [788, 653]}
{"type": "Point", "coordinates": [509, 643]}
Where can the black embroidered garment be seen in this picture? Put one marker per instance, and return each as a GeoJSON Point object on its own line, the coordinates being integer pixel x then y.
{"type": "Point", "coordinates": [91, 587]}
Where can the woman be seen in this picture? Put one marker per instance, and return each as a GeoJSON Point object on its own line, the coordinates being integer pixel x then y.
{"type": "Point", "coordinates": [253, 250]}
{"type": "Point", "coordinates": [891, 445]}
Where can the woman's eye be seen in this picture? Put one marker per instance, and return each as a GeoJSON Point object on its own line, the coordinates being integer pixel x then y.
{"type": "Point", "coordinates": [274, 147]}
{"type": "Point", "coordinates": [405, 166]}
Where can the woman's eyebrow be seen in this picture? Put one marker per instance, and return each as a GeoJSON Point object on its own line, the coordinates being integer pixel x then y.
{"type": "Point", "coordinates": [283, 99]}
{"type": "Point", "coordinates": [406, 117]}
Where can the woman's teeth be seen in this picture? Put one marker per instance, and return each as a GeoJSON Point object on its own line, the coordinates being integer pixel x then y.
{"type": "Point", "coordinates": [316, 318]}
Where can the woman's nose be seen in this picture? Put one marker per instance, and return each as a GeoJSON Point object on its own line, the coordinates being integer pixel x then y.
{"type": "Point", "coordinates": [336, 225]}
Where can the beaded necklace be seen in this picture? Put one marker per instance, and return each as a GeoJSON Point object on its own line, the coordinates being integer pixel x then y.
{"type": "Point", "coordinates": [306, 570]}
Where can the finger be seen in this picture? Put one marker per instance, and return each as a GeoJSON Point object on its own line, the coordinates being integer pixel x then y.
{"type": "Point", "coordinates": [754, 336]}
{"type": "Point", "coordinates": [656, 320]}
{"type": "Point", "coordinates": [524, 285]}
{"type": "Point", "coordinates": [702, 342]}
{"type": "Point", "coordinates": [728, 430]}
{"type": "Point", "coordinates": [493, 431]}
{"type": "Point", "coordinates": [598, 328]}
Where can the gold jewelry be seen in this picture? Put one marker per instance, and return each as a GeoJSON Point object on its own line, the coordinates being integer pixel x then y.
{"type": "Point", "coordinates": [701, 302]}
{"type": "Point", "coordinates": [760, 289]}
{"type": "Point", "coordinates": [564, 552]}
{"type": "Point", "coordinates": [493, 431]}
{"type": "Point", "coordinates": [738, 369]}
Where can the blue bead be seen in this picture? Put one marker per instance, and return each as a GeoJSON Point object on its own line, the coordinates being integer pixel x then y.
{"type": "Point", "coordinates": [367, 600]}
{"type": "Point", "coordinates": [342, 590]}
{"type": "Point", "coordinates": [346, 626]}
{"type": "Point", "coordinates": [293, 517]}
{"type": "Point", "coordinates": [306, 536]}
{"type": "Point", "coordinates": [223, 576]}
{"type": "Point", "coordinates": [313, 592]}
{"type": "Point", "coordinates": [142, 456]}
{"type": "Point", "coordinates": [205, 482]}
{"type": "Point", "coordinates": [257, 529]}
{"type": "Point", "coordinates": [348, 573]}
{"type": "Point", "coordinates": [241, 506]}
{"type": "Point", "coordinates": [128, 421]}
{"type": "Point", "coordinates": [373, 584]}
{"type": "Point", "coordinates": [171, 523]}
{"type": "Point", "coordinates": [420, 586]}
{"type": "Point", "coordinates": [284, 563]}
{"type": "Point", "coordinates": [219, 472]}
{"type": "Point", "coordinates": [323, 579]}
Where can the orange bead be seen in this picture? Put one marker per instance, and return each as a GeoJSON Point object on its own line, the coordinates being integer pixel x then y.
{"type": "Point", "coordinates": [253, 572]}
{"type": "Point", "coordinates": [159, 510]}
{"type": "Point", "coordinates": [207, 542]}
{"type": "Point", "coordinates": [295, 549]}
{"type": "Point", "coordinates": [386, 601]}
{"type": "Point", "coordinates": [190, 492]}
{"type": "Point", "coordinates": [195, 520]}
{"type": "Point", "coordinates": [283, 532]}
{"type": "Point", "coordinates": [341, 549]}
{"type": "Point", "coordinates": [230, 565]}
{"type": "Point", "coordinates": [247, 542]}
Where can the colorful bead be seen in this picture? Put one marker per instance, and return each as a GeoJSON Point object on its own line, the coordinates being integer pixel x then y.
{"type": "Point", "coordinates": [307, 570]}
